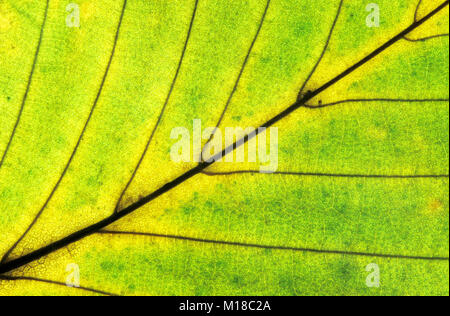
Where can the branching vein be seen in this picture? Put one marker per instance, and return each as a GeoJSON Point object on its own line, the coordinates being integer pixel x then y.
{"type": "Point", "coordinates": [423, 39]}
{"type": "Point", "coordinates": [25, 278]}
{"type": "Point", "coordinates": [81, 234]}
{"type": "Point", "coordinates": [80, 138]}
{"type": "Point", "coordinates": [296, 249]}
{"type": "Point", "coordinates": [166, 102]}
{"type": "Point", "coordinates": [330, 175]}
{"type": "Point", "coordinates": [244, 64]}
{"type": "Point", "coordinates": [327, 43]}
{"type": "Point", "coordinates": [27, 90]}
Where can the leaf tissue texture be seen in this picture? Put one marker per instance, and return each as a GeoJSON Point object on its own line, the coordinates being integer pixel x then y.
{"type": "Point", "coordinates": [87, 178]}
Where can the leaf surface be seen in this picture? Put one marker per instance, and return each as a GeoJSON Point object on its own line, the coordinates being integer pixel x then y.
{"type": "Point", "coordinates": [363, 167]}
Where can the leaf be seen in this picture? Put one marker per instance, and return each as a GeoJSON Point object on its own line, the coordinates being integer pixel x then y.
{"type": "Point", "coordinates": [363, 166]}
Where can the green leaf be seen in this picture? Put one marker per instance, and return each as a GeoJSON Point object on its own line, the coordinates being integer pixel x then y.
{"type": "Point", "coordinates": [85, 138]}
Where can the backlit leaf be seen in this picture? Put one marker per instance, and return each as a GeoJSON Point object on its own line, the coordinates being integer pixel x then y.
{"type": "Point", "coordinates": [362, 174]}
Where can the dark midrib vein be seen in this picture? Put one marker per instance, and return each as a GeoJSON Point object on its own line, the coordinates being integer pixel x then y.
{"type": "Point", "coordinates": [55, 188]}
{"type": "Point", "coordinates": [295, 249]}
{"type": "Point", "coordinates": [166, 102]}
{"type": "Point", "coordinates": [241, 72]}
{"type": "Point", "coordinates": [25, 278]}
{"type": "Point", "coordinates": [81, 234]}
{"type": "Point", "coordinates": [330, 175]}
{"type": "Point", "coordinates": [27, 90]}
{"type": "Point", "coordinates": [327, 43]}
